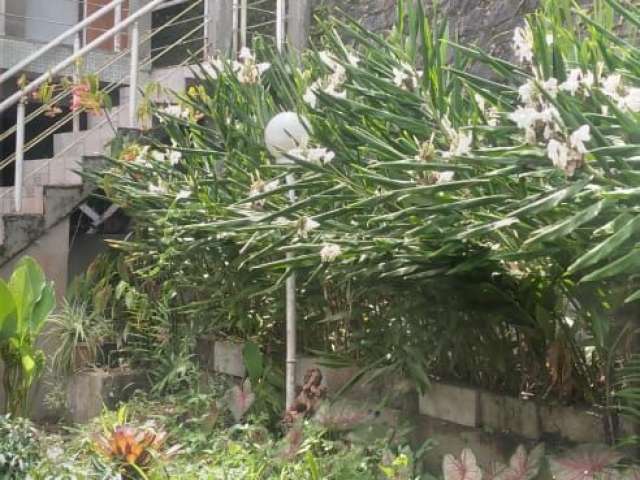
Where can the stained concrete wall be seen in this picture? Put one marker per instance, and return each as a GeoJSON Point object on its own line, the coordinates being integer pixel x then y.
{"type": "Point", "coordinates": [488, 23]}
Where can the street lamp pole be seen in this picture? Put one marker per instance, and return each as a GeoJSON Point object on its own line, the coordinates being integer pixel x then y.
{"type": "Point", "coordinates": [283, 133]}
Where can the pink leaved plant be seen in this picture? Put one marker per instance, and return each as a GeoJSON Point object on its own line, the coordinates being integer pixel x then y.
{"type": "Point", "coordinates": [240, 399]}
{"type": "Point", "coordinates": [587, 463]}
{"type": "Point", "coordinates": [523, 466]}
{"type": "Point", "coordinates": [463, 468]}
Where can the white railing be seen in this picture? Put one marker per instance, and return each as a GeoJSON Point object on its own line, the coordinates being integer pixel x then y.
{"type": "Point", "coordinates": [81, 48]}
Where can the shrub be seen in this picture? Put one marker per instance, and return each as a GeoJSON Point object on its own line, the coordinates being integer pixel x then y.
{"type": "Point", "coordinates": [19, 447]}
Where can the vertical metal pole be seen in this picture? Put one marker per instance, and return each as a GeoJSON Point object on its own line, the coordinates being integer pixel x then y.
{"type": "Point", "coordinates": [17, 188]}
{"type": "Point", "coordinates": [280, 24]}
{"type": "Point", "coordinates": [206, 30]}
{"type": "Point", "coordinates": [117, 18]}
{"type": "Point", "coordinates": [133, 78]}
{"type": "Point", "coordinates": [85, 9]}
{"type": "Point", "coordinates": [290, 374]}
{"type": "Point", "coordinates": [243, 23]}
{"type": "Point", "coordinates": [234, 28]}
{"type": "Point", "coordinates": [75, 121]}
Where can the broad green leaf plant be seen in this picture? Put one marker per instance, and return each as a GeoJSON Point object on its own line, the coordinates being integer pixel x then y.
{"type": "Point", "coordinates": [26, 301]}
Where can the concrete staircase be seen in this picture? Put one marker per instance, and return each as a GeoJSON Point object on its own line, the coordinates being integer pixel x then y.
{"type": "Point", "coordinates": [53, 187]}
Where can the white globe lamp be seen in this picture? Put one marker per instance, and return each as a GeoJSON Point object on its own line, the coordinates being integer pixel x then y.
{"type": "Point", "coordinates": [284, 132]}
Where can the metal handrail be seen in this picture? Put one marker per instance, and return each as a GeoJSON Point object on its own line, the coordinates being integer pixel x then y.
{"type": "Point", "coordinates": [59, 39]}
{"type": "Point", "coordinates": [131, 19]}
{"type": "Point", "coordinates": [120, 24]}
{"type": "Point", "coordinates": [171, 23]}
{"type": "Point", "coordinates": [117, 109]}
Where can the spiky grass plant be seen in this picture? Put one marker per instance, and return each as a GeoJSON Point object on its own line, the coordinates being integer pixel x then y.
{"type": "Point", "coordinates": [444, 223]}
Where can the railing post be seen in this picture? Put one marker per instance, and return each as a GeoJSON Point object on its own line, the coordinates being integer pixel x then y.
{"type": "Point", "coordinates": [133, 83]}
{"type": "Point", "coordinates": [17, 188]}
{"type": "Point", "coordinates": [298, 23]}
{"type": "Point", "coordinates": [76, 78]}
{"type": "Point", "coordinates": [117, 18]}
{"type": "Point", "coordinates": [243, 23]}
{"type": "Point", "coordinates": [280, 24]}
{"type": "Point", "coordinates": [220, 26]}
{"type": "Point", "coordinates": [234, 26]}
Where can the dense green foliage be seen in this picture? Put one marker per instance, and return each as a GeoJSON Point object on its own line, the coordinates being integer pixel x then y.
{"type": "Point", "coordinates": [444, 224]}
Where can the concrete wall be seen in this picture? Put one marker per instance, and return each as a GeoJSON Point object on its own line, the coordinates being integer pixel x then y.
{"type": "Point", "coordinates": [488, 23]}
{"type": "Point", "coordinates": [52, 253]}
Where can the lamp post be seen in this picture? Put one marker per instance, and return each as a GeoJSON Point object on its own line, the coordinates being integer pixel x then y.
{"type": "Point", "coordinates": [283, 133]}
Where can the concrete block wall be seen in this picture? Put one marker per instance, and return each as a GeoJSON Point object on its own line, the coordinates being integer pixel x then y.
{"type": "Point", "coordinates": [457, 417]}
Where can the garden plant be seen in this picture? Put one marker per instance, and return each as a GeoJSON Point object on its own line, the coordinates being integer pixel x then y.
{"type": "Point", "coordinates": [455, 216]}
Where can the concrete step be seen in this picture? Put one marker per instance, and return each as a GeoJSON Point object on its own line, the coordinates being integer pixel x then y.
{"type": "Point", "coordinates": [48, 205]}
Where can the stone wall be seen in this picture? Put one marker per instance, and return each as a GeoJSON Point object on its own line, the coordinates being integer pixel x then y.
{"type": "Point", "coordinates": [489, 23]}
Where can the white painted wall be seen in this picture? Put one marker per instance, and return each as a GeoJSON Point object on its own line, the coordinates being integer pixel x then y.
{"type": "Point", "coordinates": [49, 18]}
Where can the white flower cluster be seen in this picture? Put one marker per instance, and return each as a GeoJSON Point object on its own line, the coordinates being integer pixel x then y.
{"type": "Point", "coordinates": [173, 157]}
{"type": "Point", "coordinates": [523, 44]}
{"type": "Point", "coordinates": [406, 77]}
{"type": "Point", "coordinates": [627, 98]}
{"type": "Point", "coordinates": [306, 225]}
{"type": "Point", "coordinates": [332, 84]}
{"type": "Point", "coordinates": [258, 188]}
{"type": "Point", "coordinates": [330, 252]}
{"type": "Point", "coordinates": [460, 141]}
{"type": "Point", "coordinates": [174, 110]}
{"type": "Point", "coordinates": [246, 70]}
{"type": "Point", "coordinates": [320, 156]}
{"type": "Point", "coordinates": [538, 117]}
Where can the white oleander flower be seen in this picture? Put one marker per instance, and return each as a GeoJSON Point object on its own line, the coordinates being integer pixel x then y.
{"type": "Point", "coordinates": [460, 144]}
{"type": "Point", "coordinates": [329, 60]}
{"type": "Point", "coordinates": [174, 157]}
{"type": "Point", "coordinates": [320, 156]}
{"type": "Point", "coordinates": [405, 77]}
{"type": "Point", "coordinates": [330, 252]}
{"type": "Point", "coordinates": [577, 139]}
{"type": "Point", "coordinates": [558, 153]}
{"type": "Point", "coordinates": [528, 92]}
{"type": "Point", "coordinates": [159, 188]}
{"type": "Point", "coordinates": [443, 177]}
{"type": "Point", "coordinates": [158, 156]}
{"type": "Point", "coordinates": [523, 44]}
{"type": "Point", "coordinates": [310, 97]}
{"type": "Point", "coordinates": [353, 59]}
{"type": "Point", "coordinates": [551, 86]}
{"type": "Point", "coordinates": [245, 55]}
{"type": "Point", "coordinates": [182, 194]}
{"type": "Point", "coordinates": [305, 225]}
{"type": "Point", "coordinates": [631, 101]}
{"type": "Point", "coordinates": [175, 110]}
{"type": "Point", "coordinates": [524, 117]}
{"type": "Point", "coordinates": [573, 81]}
{"type": "Point", "coordinates": [611, 85]}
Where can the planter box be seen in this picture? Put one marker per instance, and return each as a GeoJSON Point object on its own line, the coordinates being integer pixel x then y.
{"type": "Point", "coordinates": [91, 390]}
{"type": "Point", "coordinates": [228, 359]}
{"type": "Point", "coordinates": [82, 358]}
{"type": "Point", "coordinates": [508, 414]}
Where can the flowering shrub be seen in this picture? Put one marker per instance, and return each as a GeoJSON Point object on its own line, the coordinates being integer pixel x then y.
{"type": "Point", "coordinates": [442, 223]}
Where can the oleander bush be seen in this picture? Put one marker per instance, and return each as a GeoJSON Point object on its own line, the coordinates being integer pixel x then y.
{"type": "Point", "coordinates": [445, 224]}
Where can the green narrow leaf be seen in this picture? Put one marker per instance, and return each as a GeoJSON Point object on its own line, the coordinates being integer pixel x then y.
{"type": "Point", "coordinates": [560, 229]}
{"type": "Point", "coordinates": [628, 263]}
{"type": "Point", "coordinates": [607, 248]}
